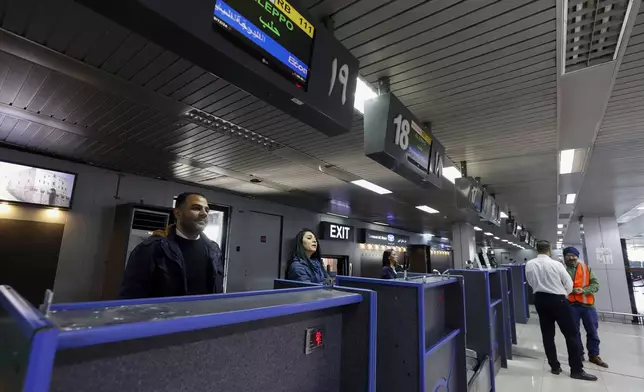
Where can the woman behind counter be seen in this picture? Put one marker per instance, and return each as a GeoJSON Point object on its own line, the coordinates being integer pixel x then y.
{"type": "Point", "coordinates": [305, 264]}
{"type": "Point", "coordinates": [389, 262]}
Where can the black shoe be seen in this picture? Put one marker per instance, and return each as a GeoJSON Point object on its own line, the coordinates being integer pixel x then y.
{"type": "Point", "coordinates": [556, 371]}
{"type": "Point", "coordinates": [583, 376]}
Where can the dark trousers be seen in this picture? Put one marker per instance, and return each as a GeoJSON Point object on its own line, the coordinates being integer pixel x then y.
{"type": "Point", "coordinates": [588, 316]}
{"type": "Point", "coordinates": [556, 309]}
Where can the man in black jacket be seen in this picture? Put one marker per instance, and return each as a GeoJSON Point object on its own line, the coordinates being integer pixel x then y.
{"type": "Point", "coordinates": [178, 261]}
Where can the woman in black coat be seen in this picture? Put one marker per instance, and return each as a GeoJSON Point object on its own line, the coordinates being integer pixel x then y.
{"type": "Point", "coordinates": [389, 261]}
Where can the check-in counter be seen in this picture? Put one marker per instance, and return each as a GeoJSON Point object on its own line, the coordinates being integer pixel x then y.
{"type": "Point", "coordinates": [301, 339]}
{"type": "Point", "coordinates": [486, 320]}
{"type": "Point", "coordinates": [520, 291]}
{"type": "Point", "coordinates": [511, 312]}
{"type": "Point", "coordinates": [499, 289]}
{"type": "Point", "coordinates": [421, 332]}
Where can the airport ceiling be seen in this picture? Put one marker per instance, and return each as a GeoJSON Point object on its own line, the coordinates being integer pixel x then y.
{"type": "Point", "coordinates": [77, 85]}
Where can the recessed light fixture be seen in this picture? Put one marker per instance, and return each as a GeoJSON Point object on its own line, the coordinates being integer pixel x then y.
{"type": "Point", "coordinates": [427, 209]}
{"type": "Point", "coordinates": [519, 227]}
{"type": "Point", "coordinates": [559, 232]}
{"type": "Point", "coordinates": [566, 159]}
{"type": "Point", "coordinates": [504, 240]}
{"type": "Point", "coordinates": [640, 208]}
{"type": "Point", "coordinates": [560, 226]}
{"type": "Point", "coordinates": [476, 228]}
{"type": "Point", "coordinates": [451, 174]}
{"type": "Point", "coordinates": [503, 215]}
{"type": "Point", "coordinates": [488, 233]}
{"type": "Point", "coordinates": [338, 215]}
{"type": "Point", "coordinates": [371, 186]}
{"type": "Point", "coordinates": [364, 92]}
{"type": "Point", "coordinates": [496, 238]}
{"type": "Point", "coordinates": [381, 224]}
{"type": "Point", "coordinates": [570, 198]}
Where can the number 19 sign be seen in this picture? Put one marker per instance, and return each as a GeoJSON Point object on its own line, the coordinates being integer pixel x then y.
{"type": "Point", "coordinates": [394, 138]}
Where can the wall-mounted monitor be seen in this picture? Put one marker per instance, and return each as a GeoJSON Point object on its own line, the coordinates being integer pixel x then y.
{"type": "Point", "coordinates": [274, 31]}
{"type": "Point", "coordinates": [36, 186]}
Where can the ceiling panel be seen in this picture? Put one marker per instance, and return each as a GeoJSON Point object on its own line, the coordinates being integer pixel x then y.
{"type": "Point", "coordinates": [482, 72]}
{"type": "Point", "coordinates": [614, 182]}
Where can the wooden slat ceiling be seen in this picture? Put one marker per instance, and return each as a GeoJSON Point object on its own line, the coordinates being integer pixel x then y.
{"type": "Point", "coordinates": [482, 72]}
{"type": "Point", "coordinates": [614, 181]}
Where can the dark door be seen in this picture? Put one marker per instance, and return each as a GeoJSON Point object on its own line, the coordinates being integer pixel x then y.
{"type": "Point", "coordinates": [258, 263]}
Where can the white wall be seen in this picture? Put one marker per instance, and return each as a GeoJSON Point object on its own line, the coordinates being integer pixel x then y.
{"type": "Point", "coordinates": [88, 225]}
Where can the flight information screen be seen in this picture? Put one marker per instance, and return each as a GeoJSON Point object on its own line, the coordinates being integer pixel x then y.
{"type": "Point", "coordinates": [272, 30]}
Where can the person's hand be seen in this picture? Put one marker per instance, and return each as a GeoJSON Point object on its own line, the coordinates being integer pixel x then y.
{"type": "Point", "coordinates": [578, 290]}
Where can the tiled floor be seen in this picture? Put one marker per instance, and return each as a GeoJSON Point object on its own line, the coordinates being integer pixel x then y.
{"type": "Point", "coordinates": [622, 347]}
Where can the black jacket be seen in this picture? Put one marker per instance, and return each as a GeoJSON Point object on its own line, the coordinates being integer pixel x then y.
{"type": "Point", "coordinates": [388, 273]}
{"type": "Point", "coordinates": [156, 268]}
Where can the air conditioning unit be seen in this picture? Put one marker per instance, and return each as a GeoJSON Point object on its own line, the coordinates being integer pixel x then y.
{"type": "Point", "coordinates": [133, 224]}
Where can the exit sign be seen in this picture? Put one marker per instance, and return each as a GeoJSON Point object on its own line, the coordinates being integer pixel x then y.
{"type": "Point", "coordinates": [336, 231]}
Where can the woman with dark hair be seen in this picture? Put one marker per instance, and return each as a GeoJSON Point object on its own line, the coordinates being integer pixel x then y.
{"type": "Point", "coordinates": [389, 261]}
{"type": "Point", "coordinates": [305, 264]}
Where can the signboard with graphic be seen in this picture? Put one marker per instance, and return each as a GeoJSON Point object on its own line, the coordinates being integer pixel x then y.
{"type": "Point", "coordinates": [382, 238]}
{"type": "Point", "coordinates": [396, 139]}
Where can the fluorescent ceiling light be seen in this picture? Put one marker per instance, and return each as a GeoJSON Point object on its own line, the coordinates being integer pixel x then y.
{"type": "Point", "coordinates": [428, 235]}
{"type": "Point", "coordinates": [451, 174]}
{"type": "Point", "coordinates": [519, 227]}
{"type": "Point", "coordinates": [338, 215]}
{"type": "Point", "coordinates": [504, 240]}
{"type": "Point", "coordinates": [496, 238]}
{"type": "Point", "coordinates": [640, 208]}
{"type": "Point", "coordinates": [503, 215]}
{"type": "Point", "coordinates": [559, 232]}
{"type": "Point", "coordinates": [371, 186]}
{"type": "Point", "coordinates": [381, 224]}
{"type": "Point", "coordinates": [427, 209]}
{"type": "Point", "coordinates": [560, 226]}
{"type": "Point", "coordinates": [444, 238]}
{"type": "Point", "coordinates": [364, 92]}
{"type": "Point", "coordinates": [570, 198]}
{"type": "Point", "coordinates": [566, 159]}
{"type": "Point", "coordinates": [488, 233]}
{"type": "Point", "coordinates": [476, 228]}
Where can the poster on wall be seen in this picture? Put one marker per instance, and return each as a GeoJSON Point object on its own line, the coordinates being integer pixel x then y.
{"type": "Point", "coordinates": [604, 256]}
{"type": "Point", "coordinates": [33, 185]}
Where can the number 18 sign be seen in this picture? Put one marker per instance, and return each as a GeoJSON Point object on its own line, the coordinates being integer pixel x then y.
{"type": "Point", "coordinates": [394, 137]}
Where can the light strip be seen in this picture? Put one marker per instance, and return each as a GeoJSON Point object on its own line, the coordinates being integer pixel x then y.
{"type": "Point", "coordinates": [570, 198]}
{"type": "Point", "coordinates": [496, 238]}
{"type": "Point", "coordinates": [371, 186]}
{"type": "Point", "coordinates": [381, 224]}
{"type": "Point", "coordinates": [504, 240]}
{"type": "Point", "coordinates": [559, 232]}
{"type": "Point", "coordinates": [560, 226]}
{"type": "Point", "coordinates": [488, 233]}
{"type": "Point", "coordinates": [338, 215]}
{"type": "Point", "coordinates": [427, 209]}
{"type": "Point", "coordinates": [451, 174]}
{"type": "Point", "coordinates": [566, 159]}
{"type": "Point", "coordinates": [503, 215]}
{"type": "Point", "coordinates": [363, 93]}
{"type": "Point", "coordinates": [476, 228]}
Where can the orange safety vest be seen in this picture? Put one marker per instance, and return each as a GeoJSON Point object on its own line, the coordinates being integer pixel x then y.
{"type": "Point", "coordinates": [581, 280]}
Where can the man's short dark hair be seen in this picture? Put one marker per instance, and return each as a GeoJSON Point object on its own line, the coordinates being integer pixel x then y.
{"type": "Point", "coordinates": [181, 199]}
{"type": "Point", "coordinates": [543, 246]}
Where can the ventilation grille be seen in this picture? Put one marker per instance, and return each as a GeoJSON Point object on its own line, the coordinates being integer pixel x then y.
{"type": "Point", "coordinates": [593, 31]}
{"type": "Point", "coordinates": [149, 220]}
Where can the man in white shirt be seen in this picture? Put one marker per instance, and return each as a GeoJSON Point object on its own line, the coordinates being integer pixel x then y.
{"type": "Point", "coordinates": [551, 285]}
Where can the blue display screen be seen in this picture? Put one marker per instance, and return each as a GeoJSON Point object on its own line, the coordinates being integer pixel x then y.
{"type": "Point", "coordinates": [267, 35]}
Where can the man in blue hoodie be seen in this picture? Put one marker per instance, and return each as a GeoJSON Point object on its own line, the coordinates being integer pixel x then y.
{"type": "Point", "coordinates": [178, 261]}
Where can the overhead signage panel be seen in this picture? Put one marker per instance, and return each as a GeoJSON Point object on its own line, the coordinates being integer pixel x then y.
{"type": "Point", "coordinates": [396, 139]}
{"type": "Point", "coordinates": [383, 238]}
{"type": "Point", "coordinates": [268, 48]}
{"type": "Point", "coordinates": [336, 232]}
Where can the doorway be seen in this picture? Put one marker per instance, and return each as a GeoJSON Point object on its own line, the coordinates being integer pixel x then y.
{"type": "Point", "coordinates": [261, 253]}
